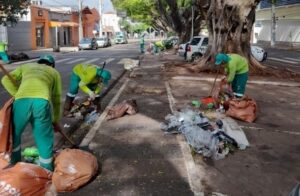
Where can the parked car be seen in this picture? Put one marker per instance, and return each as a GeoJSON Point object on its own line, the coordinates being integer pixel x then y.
{"type": "Point", "coordinates": [103, 42]}
{"type": "Point", "coordinates": [120, 39]}
{"type": "Point", "coordinates": [259, 53]}
{"type": "Point", "coordinates": [198, 47]}
{"type": "Point", "coordinates": [182, 48]}
{"type": "Point", "coordinates": [88, 43]}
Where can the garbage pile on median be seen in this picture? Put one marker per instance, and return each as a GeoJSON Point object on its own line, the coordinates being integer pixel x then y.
{"type": "Point", "coordinates": [205, 137]}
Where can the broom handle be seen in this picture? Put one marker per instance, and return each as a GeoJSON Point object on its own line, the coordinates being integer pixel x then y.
{"type": "Point", "coordinates": [8, 75]}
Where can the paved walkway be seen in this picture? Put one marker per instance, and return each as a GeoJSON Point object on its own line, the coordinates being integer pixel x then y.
{"type": "Point", "coordinates": [137, 158]}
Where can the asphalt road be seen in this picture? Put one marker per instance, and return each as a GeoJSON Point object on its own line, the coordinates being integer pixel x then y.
{"type": "Point", "coordinates": [65, 62]}
{"type": "Point", "coordinates": [283, 58]}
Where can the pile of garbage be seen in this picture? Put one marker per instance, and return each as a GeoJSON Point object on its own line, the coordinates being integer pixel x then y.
{"type": "Point", "coordinates": [205, 137]}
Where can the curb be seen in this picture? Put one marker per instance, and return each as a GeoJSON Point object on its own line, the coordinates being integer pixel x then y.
{"type": "Point", "coordinates": [210, 79]}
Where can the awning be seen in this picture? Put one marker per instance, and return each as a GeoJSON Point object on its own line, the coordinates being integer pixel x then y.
{"type": "Point", "coordinates": [63, 24]}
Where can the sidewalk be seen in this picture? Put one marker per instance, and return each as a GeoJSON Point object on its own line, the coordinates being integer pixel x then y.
{"type": "Point", "coordinates": [137, 158]}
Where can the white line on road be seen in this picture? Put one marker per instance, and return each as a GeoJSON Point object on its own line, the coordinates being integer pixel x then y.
{"type": "Point", "coordinates": [195, 173]}
{"type": "Point", "coordinates": [293, 59]}
{"type": "Point", "coordinates": [110, 60]}
{"type": "Point", "coordinates": [91, 61]}
{"type": "Point", "coordinates": [76, 60]}
{"type": "Point", "coordinates": [62, 60]}
{"type": "Point", "coordinates": [91, 134]}
{"type": "Point", "coordinates": [282, 60]}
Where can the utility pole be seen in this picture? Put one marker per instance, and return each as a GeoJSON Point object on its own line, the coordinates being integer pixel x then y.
{"type": "Point", "coordinates": [273, 24]}
{"type": "Point", "coordinates": [100, 21]}
{"type": "Point", "coordinates": [80, 19]}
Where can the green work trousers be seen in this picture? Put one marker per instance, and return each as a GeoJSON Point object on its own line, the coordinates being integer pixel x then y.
{"type": "Point", "coordinates": [142, 47]}
{"type": "Point", "coordinates": [4, 57]}
{"type": "Point", "coordinates": [239, 84]}
{"type": "Point", "coordinates": [37, 112]}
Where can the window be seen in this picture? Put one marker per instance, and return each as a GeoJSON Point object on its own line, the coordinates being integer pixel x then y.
{"type": "Point", "coordinates": [205, 42]}
{"type": "Point", "coordinates": [195, 40]}
{"type": "Point", "coordinates": [40, 12]}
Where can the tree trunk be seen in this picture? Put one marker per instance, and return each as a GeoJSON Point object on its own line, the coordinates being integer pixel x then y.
{"type": "Point", "coordinates": [230, 24]}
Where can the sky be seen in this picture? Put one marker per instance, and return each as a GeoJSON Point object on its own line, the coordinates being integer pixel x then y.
{"type": "Point", "coordinates": [107, 5]}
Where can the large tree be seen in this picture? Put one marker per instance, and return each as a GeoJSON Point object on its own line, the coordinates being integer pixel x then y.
{"type": "Point", "coordinates": [229, 23]}
{"type": "Point", "coordinates": [10, 10]}
{"type": "Point", "coordinates": [168, 15]}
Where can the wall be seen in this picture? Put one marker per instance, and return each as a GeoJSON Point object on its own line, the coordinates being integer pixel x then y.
{"type": "Point", "coordinates": [287, 27]}
{"type": "Point", "coordinates": [19, 36]}
{"type": "Point", "coordinates": [111, 19]}
{"type": "Point", "coordinates": [89, 21]}
{"type": "Point", "coordinates": [36, 21]}
{"type": "Point", "coordinates": [75, 30]}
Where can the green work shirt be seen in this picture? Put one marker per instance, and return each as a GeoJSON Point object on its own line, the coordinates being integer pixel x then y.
{"type": "Point", "coordinates": [36, 81]}
{"type": "Point", "coordinates": [142, 40]}
{"type": "Point", "coordinates": [88, 74]}
{"type": "Point", "coordinates": [2, 46]}
{"type": "Point", "coordinates": [236, 65]}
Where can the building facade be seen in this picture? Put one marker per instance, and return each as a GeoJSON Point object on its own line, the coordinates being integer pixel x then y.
{"type": "Point", "coordinates": [287, 23]}
{"type": "Point", "coordinates": [42, 27]}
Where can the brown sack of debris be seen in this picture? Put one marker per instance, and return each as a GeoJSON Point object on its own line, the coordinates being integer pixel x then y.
{"type": "Point", "coordinates": [25, 179]}
{"type": "Point", "coordinates": [126, 107]}
{"type": "Point", "coordinates": [244, 109]}
{"type": "Point", "coordinates": [73, 168]}
{"type": "Point", "coordinates": [6, 127]}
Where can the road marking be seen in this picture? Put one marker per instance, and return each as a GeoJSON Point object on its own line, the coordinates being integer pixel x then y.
{"type": "Point", "coordinates": [282, 60]}
{"type": "Point", "coordinates": [293, 59]}
{"type": "Point", "coordinates": [76, 60]}
{"type": "Point", "coordinates": [91, 61]}
{"type": "Point", "coordinates": [195, 173]}
{"type": "Point", "coordinates": [62, 60]}
{"type": "Point", "coordinates": [109, 60]}
{"type": "Point", "coordinates": [91, 134]}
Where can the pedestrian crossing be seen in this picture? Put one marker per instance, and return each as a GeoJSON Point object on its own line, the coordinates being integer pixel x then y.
{"type": "Point", "coordinates": [72, 61]}
{"type": "Point", "coordinates": [288, 60]}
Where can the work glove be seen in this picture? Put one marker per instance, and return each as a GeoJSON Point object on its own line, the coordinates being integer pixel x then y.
{"type": "Point", "coordinates": [56, 127]}
{"type": "Point", "coordinates": [92, 95]}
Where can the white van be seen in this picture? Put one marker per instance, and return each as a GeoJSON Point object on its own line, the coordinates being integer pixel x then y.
{"type": "Point", "coordinates": [198, 47]}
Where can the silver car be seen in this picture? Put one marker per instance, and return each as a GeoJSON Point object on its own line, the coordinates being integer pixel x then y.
{"type": "Point", "coordinates": [88, 43]}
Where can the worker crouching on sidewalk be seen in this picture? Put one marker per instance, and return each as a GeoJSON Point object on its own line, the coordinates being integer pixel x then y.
{"type": "Point", "coordinates": [236, 68]}
{"type": "Point", "coordinates": [37, 101]}
{"type": "Point", "coordinates": [90, 79]}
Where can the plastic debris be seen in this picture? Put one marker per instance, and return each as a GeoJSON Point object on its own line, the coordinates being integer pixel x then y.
{"type": "Point", "coordinates": [206, 138]}
{"type": "Point", "coordinates": [67, 126]}
{"type": "Point", "coordinates": [196, 103]}
{"type": "Point", "coordinates": [91, 117]}
{"type": "Point", "coordinates": [31, 155]}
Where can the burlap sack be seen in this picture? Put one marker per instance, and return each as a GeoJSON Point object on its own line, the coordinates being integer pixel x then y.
{"type": "Point", "coordinates": [4, 160]}
{"type": "Point", "coordinates": [126, 107]}
{"type": "Point", "coordinates": [24, 179]}
{"type": "Point", "coordinates": [6, 127]}
{"type": "Point", "coordinates": [73, 168]}
{"type": "Point", "coordinates": [245, 109]}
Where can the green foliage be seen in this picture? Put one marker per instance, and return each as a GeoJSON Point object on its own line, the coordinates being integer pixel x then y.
{"type": "Point", "coordinates": [10, 10]}
{"type": "Point", "coordinates": [145, 10]}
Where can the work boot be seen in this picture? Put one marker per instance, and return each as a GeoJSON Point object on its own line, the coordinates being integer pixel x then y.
{"type": "Point", "coordinates": [97, 103]}
{"type": "Point", "coordinates": [68, 105]}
